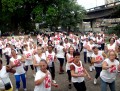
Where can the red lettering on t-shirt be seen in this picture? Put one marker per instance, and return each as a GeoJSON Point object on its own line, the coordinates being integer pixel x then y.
{"type": "Point", "coordinates": [50, 57]}
{"type": "Point", "coordinates": [98, 58]}
{"type": "Point", "coordinates": [113, 69]}
{"type": "Point", "coordinates": [28, 55]}
{"type": "Point", "coordinates": [17, 62]}
{"type": "Point", "coordinates": [80, 70]}
{"type": "Point", "coordinates": [47, 82]}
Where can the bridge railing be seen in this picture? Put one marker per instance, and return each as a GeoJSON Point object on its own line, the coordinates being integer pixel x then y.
{"type": "Point", "coordinates": [104, 6]}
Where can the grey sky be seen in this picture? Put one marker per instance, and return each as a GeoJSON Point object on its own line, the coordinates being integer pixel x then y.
{"type": "Point", "coordinates": [90, 3]}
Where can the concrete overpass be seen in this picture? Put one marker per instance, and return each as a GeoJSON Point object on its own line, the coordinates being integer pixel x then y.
{"type": "Point", "coordinates": [107, 11]}
{"type": "Point", "coordinates": [111, 10]}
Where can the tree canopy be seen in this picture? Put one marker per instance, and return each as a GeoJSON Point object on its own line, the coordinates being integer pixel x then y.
{"type": "Point", "coordinates": [49, 13]}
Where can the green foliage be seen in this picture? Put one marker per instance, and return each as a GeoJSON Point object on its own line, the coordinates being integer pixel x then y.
{"type": "Point", "coordinates": [53, 13]}
{"type": "Point", "coordinates": [114, 30]}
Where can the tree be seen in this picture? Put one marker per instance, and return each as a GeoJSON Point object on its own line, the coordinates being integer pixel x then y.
{"type": "Point", "coordinates": [50, 13]}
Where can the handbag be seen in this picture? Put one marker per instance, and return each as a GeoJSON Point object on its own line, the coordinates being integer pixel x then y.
{"type": "Point", "coordinates": [7, 85]}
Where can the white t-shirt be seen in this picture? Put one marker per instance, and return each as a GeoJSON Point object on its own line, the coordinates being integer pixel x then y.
{"type": "Point", "coordinates": [66, 45]}
{"type": "Point", "coordinates": [89, 54]}
{"type": "Point", "coordinates": [111, 47]}
{"type": "Point", "coordinates": [110, 74]}
{"type": "Point", "coordinates": [78, 70]}
{"type": "Point", "coordinates": [70, 57]}
{"type": "Point", "coordinates": [50, 57]}
{"type": "Point", "coordinates": [4, 77]}
{"type": "Point", "coordinates": [38, 59]}
{"type": "Point", "coordinates": [99, 56]}
{"type": "Point", "coordinates": [28, 55]}
{"type": "Point", "coordinates": [99, 41]}
{"type": "Point", "coordinates": [46, 84]}
{"type": "Point", "coordinates": [0, 44]}
{"type": "Point", "coordinates": [19, 69]}
{"type": "Point", "coordinates": [60, 52]}
{"type": "Point", "coordinates": [8, 51]}
{"type": "Point", "coordinates": [84, 44]}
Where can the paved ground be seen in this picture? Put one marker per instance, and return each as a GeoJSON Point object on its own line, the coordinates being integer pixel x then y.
{"type": "Point", "coordinates": [63, 82]}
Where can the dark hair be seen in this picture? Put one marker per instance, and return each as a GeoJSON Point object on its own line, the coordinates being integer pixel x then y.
{"type": "Point", "coordinates": [95, 47]}
{"type": "Point", "coordinates": [1, 61]}
{"type": "Point", "coordinates": [50, 45]}
{"type": "Point", "coordinates": [61, 42]}
{"type": "Point", "coordinates": [43, 60]}
{"type": "Point", "coordinates": [113, 39]}
{"type": "Point", "coordinates": [49, 41]}
{"type": "Point", "coordinates": [76, 53]}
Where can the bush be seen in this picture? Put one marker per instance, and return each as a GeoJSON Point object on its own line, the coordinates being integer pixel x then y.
{"type": "Point", "coordinates": [114, 30]}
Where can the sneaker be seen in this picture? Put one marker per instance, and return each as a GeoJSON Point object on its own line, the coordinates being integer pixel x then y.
{"type": "Point", "coordinates": [90, 68]}
{"type": "Point", "coordinates": [70, 86]}
{"type": "Point", "coordinates": [93, 67]}
{"type": "Point", "coordinates": [25, 89]}
{"type": "Point", "coordinates": [54, 81]}
{"type": "Point", "coordinates": [95, 81]}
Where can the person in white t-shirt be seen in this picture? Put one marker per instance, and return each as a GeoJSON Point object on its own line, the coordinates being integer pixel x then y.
{"type": "Point", "coordinates": [112, 45]}
{"type": "Point", "coordinates": [43, 80]}
{"type": "Point", "coordinates": [69, 57]}
{"type": "Point", "coordinates": [28, 54]}
{"type": "Point", "coordinates": [60, 50]}
{"type": "Point", "coordinates": [7, 53]}
{"type": "Point", "coordinates": [110, 68]}
{"type": "Point", "coordinates": [16, 62]}
{"type": "Point", "coordinates": [85, 43]}
{"type": "Point", "coordinates": [89, 47]}
{"type": "Point", "coordinates": [99, 42]}
{"type": "Point", "coordinates": [97, 58]}
{"type": "Point", "coordinates": [78, 73]}
{"type": "Point", "coordinates": [51, 58]}
{"type": "Point", "coordinates": [37, 57]}
{"type": "Point", "coordinates": [4, 77]}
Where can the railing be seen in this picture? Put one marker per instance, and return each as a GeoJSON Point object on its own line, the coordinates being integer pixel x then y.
{"type": "Point", "coordinates": [104, 6]}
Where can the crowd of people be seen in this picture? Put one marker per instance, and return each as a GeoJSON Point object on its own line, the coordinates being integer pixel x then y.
{"type": "Point", "coordinates": [41, 55]}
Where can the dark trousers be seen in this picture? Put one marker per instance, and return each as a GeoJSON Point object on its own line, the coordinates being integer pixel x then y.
{"type": "Point", "coordinates": [80, 86]}
{"type": "Point", "coordinates": [98, 70]}
{"type": "Point", "coordinates": [81, 46]}
{"type": "Point", "coordinates": [103, 46]}
{"type": "Point", "coordinates": [26, 67]}
{"type": "Point", "coordinates": [69, 75]}
{"type": "Point", "coordinates": [89, 59]}
{"type": "Point", "coordinates": [52, 71]}
{"type": "Point", "coordinates": [7, 59]}
{"type": "Point", "coordinates": [21, 51]}
{"type": "Point", "coordinates": [1, 53]}
{"type": "Point", "coordinates": [99, 48]}
{"type": "Point", "coordinates": [85, 57]}
{"type": "Point", "coordinates": [61, 60]}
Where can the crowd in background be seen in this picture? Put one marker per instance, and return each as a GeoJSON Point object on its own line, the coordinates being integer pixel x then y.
{"type": "Point", "coordinates": [42, 52]}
